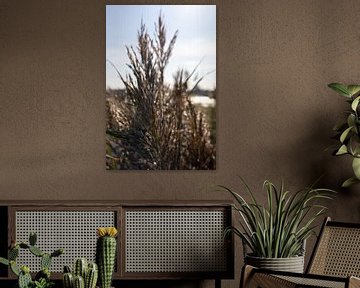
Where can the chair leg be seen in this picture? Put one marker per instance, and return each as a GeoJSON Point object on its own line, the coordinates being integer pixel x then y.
{"type": "Point", "coordinates": [246, 273]}
{"type": "Point", "coordinates": [217, 283]}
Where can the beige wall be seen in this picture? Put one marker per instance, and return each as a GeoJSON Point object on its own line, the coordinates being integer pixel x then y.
{"type": "Point", "coordinates": [275, 113]}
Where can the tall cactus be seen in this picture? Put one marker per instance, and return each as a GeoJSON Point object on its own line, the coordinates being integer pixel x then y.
{"type": "Point", "coordinates": [106, 254]}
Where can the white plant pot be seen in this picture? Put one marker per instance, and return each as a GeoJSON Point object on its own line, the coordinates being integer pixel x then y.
{"type": "Point", "coordinates": [291, 264]}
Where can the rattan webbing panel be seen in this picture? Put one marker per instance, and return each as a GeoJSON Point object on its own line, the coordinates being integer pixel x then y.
{"type": "Point", "coordinates": [338, 253]}
{"type": "Point", "coordinates": [313, 282]}
{"type": "Point", "coordinates": [174, 241]}
{"type": "Point", "coordinates": [75, 231]}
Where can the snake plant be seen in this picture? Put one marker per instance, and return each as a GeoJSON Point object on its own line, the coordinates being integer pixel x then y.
{"type": "Point", "coordinates": [279, 228]}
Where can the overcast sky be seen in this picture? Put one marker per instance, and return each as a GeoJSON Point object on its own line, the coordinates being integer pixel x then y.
{"type": "Point", "coordinates": [196, 38]}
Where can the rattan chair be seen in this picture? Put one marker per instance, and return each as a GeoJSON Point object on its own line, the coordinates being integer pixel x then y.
{"type": "Point", "coordinates": [334, 263]}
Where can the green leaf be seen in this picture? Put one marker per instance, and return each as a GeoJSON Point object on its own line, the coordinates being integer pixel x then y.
{"type": "Point", "coordinates": [345, 134]}
{"type": "Point", "coordinates": [351, 120]}
{"type": "Point", "coordinates": [353, 89]}
{"type": "Point", "coordinates": [356, 167]}
{"type": "Point", "coordinates": [355, 103]}
{"type": "Point", "coordinates": [340, 88]}
{"type": "Point", "coordinates": [342, 150]}
{"type": "Point", "coordinates": [349, 182]}
{"type": "Point", "coordinates": [4, 261]}
{"type": "Point", "coordinates": [354, 145]}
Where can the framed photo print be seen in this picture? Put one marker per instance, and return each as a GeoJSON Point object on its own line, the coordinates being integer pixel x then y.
{"type": "Point", "coordinates": [161, 87]}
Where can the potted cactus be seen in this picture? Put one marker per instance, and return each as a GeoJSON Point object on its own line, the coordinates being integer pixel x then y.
{"type": "Point", "coordinates": [106, 254]}
{"type": "Point", "coordinates": [84, 275]}
{"type": "Point", "coordinates": [42, 278]}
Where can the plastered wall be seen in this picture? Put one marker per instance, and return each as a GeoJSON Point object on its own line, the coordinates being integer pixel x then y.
{"type": "Point", "coordinates": [275, 113]}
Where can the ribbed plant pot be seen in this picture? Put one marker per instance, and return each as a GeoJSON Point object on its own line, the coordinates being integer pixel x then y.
{"type": "Point", "coordinates": [291, 264]}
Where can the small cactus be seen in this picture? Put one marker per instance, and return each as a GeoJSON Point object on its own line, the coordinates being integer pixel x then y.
{"type": "Point", "coordinates": [36, 251]}
{"type": "Point", "coordinates": [91, 276]}
{"type": "Point", "coordinates": [79, 282]}
{"type": "Point", "coordinates": [45, 261]}
{"type": "Point", "coordinates": [32, 238]}
{"type": "Point", "coordinates": [80, 268]}
{"type": "Point", "coordinates": [68, 280]}
{"type": "Point", "coordinates": [106, 254]}
{"type": "Point", "coordinates": [44, 273]}
{"type": "Point", "coordinates": [24, 278]}
{"type": "Point", "coordinates": [4, 261]}
{"type": "Point", "coordinates": [25, 269]}
{"type": "Point", "coordinates": [57, 252]}
{"type": "Point", "coordinates": [13, 253]}
{"type": "Point", "coordinates": [83, 274]}
{"type": "Point", "coordinates": [14, 268]}
{"type": "Point", "coordinates": [67, 269]}
{"type": "Point", "coordinates": [24, 246]}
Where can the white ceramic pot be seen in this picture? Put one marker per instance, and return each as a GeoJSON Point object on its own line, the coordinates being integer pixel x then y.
{"type": "Point", "coordinates": [291, 264]}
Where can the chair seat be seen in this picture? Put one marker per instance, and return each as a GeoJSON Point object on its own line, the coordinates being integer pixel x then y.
{"type": "Point", "coordinates": [315, 282]}
{"type": "Point", "coordinates": [268, 279]}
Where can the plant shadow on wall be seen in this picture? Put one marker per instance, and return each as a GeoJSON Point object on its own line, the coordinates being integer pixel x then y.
{"type": "Point", "coordinates": [152, 125]}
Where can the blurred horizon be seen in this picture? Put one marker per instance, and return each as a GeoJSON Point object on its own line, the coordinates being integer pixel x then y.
{"type": "Point", "coordinates": [196, 41]}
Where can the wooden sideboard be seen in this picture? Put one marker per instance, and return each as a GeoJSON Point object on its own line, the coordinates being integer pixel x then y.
{"type": "Point", "coordinates": [157, 240]}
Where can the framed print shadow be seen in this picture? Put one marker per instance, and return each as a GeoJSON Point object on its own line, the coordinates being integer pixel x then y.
{"type": "Point", "coordinates": [161, 87]}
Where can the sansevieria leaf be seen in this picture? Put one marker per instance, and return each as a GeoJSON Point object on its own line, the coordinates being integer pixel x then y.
{"type": "Point", "coordinates": [349, 182]}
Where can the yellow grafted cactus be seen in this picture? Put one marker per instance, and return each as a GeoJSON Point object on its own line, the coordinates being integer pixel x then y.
{"type": "Point", "coordinates": [106, 254]}
{"type": "Point", "coordinates": [107, 231]}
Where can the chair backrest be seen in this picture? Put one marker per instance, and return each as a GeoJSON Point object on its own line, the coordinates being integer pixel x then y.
{"type": "Point", "coordinates": [337, 251]}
